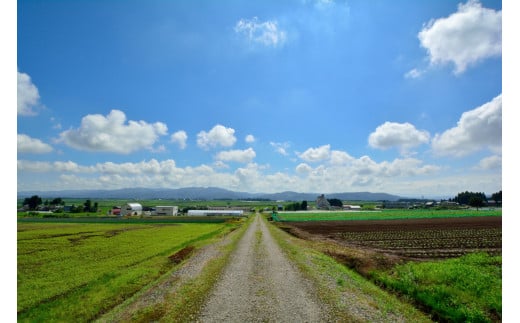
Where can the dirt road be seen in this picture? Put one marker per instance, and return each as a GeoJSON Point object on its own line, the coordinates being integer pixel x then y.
{"type": "Point", "coordinates": [261, 285]}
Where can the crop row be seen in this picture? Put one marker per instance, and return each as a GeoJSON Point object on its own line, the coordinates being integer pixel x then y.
{"type": "Point", "coordinates": [443, 243]}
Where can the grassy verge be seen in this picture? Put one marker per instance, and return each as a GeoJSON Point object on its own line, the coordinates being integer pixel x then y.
{"type": "Point", "coordinates": [465, 289]}
{"type": "Point", "coordinates": [184, 303]}
{"type": "Point", "coordinates": [350, 297]}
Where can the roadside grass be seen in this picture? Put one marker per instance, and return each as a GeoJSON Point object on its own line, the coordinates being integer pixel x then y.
{"type": "Point", "coordinates": [77, 272]}
{"type": "Point", "coordinates": [184, 303]}
{"type": "Point", "coordinates": [349, 296]}
{"type": "Point", "coordinates": [465, 289]}
{"type": "Point", "coordinates": [382, 215]}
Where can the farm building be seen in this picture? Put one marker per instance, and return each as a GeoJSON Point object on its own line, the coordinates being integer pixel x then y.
{"type": "Point", "coordinates": [132, 209]}
{"type": "Point", "coordinates": [352, 207]}
{"type": "Point", "coordinates": [215, 212]}
{"type": "Point", "coordinates": [166, 210]}
{"type": "Point", "coordinates": [116, 210]}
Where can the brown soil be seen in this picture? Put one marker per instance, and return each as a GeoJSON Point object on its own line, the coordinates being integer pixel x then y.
{"type": "Point", "coordinates": [329, 227]}
{"type": "Point", "coordinates": [369, 245]}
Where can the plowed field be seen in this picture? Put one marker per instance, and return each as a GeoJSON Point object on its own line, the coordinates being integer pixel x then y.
{"type": "Point", "coordinates": [410, 238]}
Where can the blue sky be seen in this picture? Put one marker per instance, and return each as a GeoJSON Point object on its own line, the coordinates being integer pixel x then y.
{"type": "Point", "coordinates": [403, 97]}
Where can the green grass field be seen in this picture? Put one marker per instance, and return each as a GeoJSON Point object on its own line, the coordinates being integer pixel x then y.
{"type": "Point", "coordinates": [465, 289]}
{"type": "Point", "coordinates": [77, 271]}
{"type": "Point", "coordinates": [381, 215]}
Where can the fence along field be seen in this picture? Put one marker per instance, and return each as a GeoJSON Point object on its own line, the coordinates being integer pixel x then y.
{"type": "Point", "coordinates": [75, 272]}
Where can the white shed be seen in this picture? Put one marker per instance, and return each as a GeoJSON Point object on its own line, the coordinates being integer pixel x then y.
{"type": "Point", "coordinates": [132, 209]}
{"type": "Point", "coordinates": [166, 210]}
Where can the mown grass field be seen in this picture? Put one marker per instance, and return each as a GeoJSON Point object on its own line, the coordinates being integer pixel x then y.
{"type": "Point", "coordinates": [78, 271]}
{"type": "Point", "coordinates": [392, 214]}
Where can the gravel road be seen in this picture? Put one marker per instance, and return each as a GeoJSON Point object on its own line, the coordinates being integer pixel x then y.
{"type": "Point", "coordinates": [261, 285]}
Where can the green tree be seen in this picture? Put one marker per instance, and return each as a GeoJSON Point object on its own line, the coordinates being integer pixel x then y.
{"type": "Point", "coordinates": [476, 201]}
{"type": "Point", "coordinates": [335, 202]}
{"type": "Point", "coordinates": [57, 201]}
{"type": "Point", "coordinates": [87, 205]}
{"type": "Point", "coordinates": [32, 202]}
{"type": "Point", "coordinates": [497, 197]}
{"type": "Point", "coordinates": [466, 197]}
{"type": "Point", "coordinates": [304, 205]}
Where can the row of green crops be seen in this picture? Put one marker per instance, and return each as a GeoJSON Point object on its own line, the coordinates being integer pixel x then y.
{"type": "Point", "coordinates": [465, 289]}
{"type": "Point", "coordinates": [133, 219]}
{"type": "Point", "coordinates": [77, 271]}
{"type": "Point", "coordinates": [381, 215]}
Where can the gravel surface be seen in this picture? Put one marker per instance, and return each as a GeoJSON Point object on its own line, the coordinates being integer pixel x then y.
{"type": "Point", "coordinates": [261, 285]}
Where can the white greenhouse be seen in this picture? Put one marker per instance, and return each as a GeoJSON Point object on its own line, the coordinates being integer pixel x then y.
{"type": "Point", "coordinates": [132, 209]}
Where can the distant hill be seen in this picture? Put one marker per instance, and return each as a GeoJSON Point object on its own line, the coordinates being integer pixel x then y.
{"type": "Point", "coordinates": [203, 193]}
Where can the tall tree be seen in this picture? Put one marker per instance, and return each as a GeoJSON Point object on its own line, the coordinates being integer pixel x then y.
{"type": "Point", "coordinates": [87, 205]}
{"type": "Point", "coordinates": [33, 202]}
{"type": "Point", "coordinates": [476, 201]}
{"type": "Point", "coordinates": [497, 197]}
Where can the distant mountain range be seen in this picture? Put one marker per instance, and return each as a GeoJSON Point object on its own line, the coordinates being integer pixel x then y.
{"type": "Point", "coordinates": [203, 193]}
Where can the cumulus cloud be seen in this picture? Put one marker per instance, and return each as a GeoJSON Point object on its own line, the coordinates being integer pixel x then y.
{"type": "Point", "coordinates": [111, 133]}
{"type": "Point", "coordinates": [303, 168]}
{"type": "Point", "coordinates": [217, 136]}
{"type": "Point", "coordinates": [358, 173]}
{"type": "Point", "coordinates": [27, 95]}
{"type": "Point", "coordinates": [241, 156]}
{"type": "Point", "coordinates": [280, 147]}
{"type": "Point", "coordinates": [30, 145]}
{"type": "Point", "coordinates": [56, 166]}
{"type": "Point", "coordinates": [250, 139]}
{"type": "Point", "coordinates": [491, 162]}
{"type": "Point", "coordinates": [470, 35]}
{"type": "Point", "coordinates": [316, 154]}
{"type": "Point", "coordinates": [401, 135]}
{"type": "Point", "coordinates": [180, 138]}
{"type": "Point", "coordinates": [477, 129]}
{"type": "Point", "coordinates": [338, 157]}
{"type": "Point", "coordinates": [266, 33]}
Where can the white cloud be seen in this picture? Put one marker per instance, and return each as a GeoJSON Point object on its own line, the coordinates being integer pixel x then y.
{"type": "Point", "coordinates": [280, 147]}
{"type": "Point", "coordinates": [316, 154]}
{"type": "Point", "coordinates": [241, 156]}
{"type": "Point", "coordinates": [303, 168]}
{"type": "Point", "coordinates": [491, 162]}
{"type": "Point", "coordinates": [27, 95]}
{"type": "Point", "coordinates": [30, 145]}
{"type": "Point", "coordinates": [266, 33]}
{"type": "Point", "coordinates": [338, 157]}
{"type": "Point", "coordinates": [217, 136]}
{"type": "Point", "coordinates": [250, 139]}
{"type": "Point", "coordinates": [180, 138]}
{"type": "Point", "coordinates": [477, 129]}
{"type": "Point", "coordinates": [113, 134]}
{"type": "Point", "coordinates": [401, 135]}
{"type": "Point", "coordinates": [470, 35]}
{"type": "Point", "coordinates": [397, 176]}
{"type": "Point", "coordinates": [413, 73]}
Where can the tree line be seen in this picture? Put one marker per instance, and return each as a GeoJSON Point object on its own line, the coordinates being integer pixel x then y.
{"type": "Point", "coordinates": [34, 202]}
{"type": "Point", "coordinates": [477, 199]}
